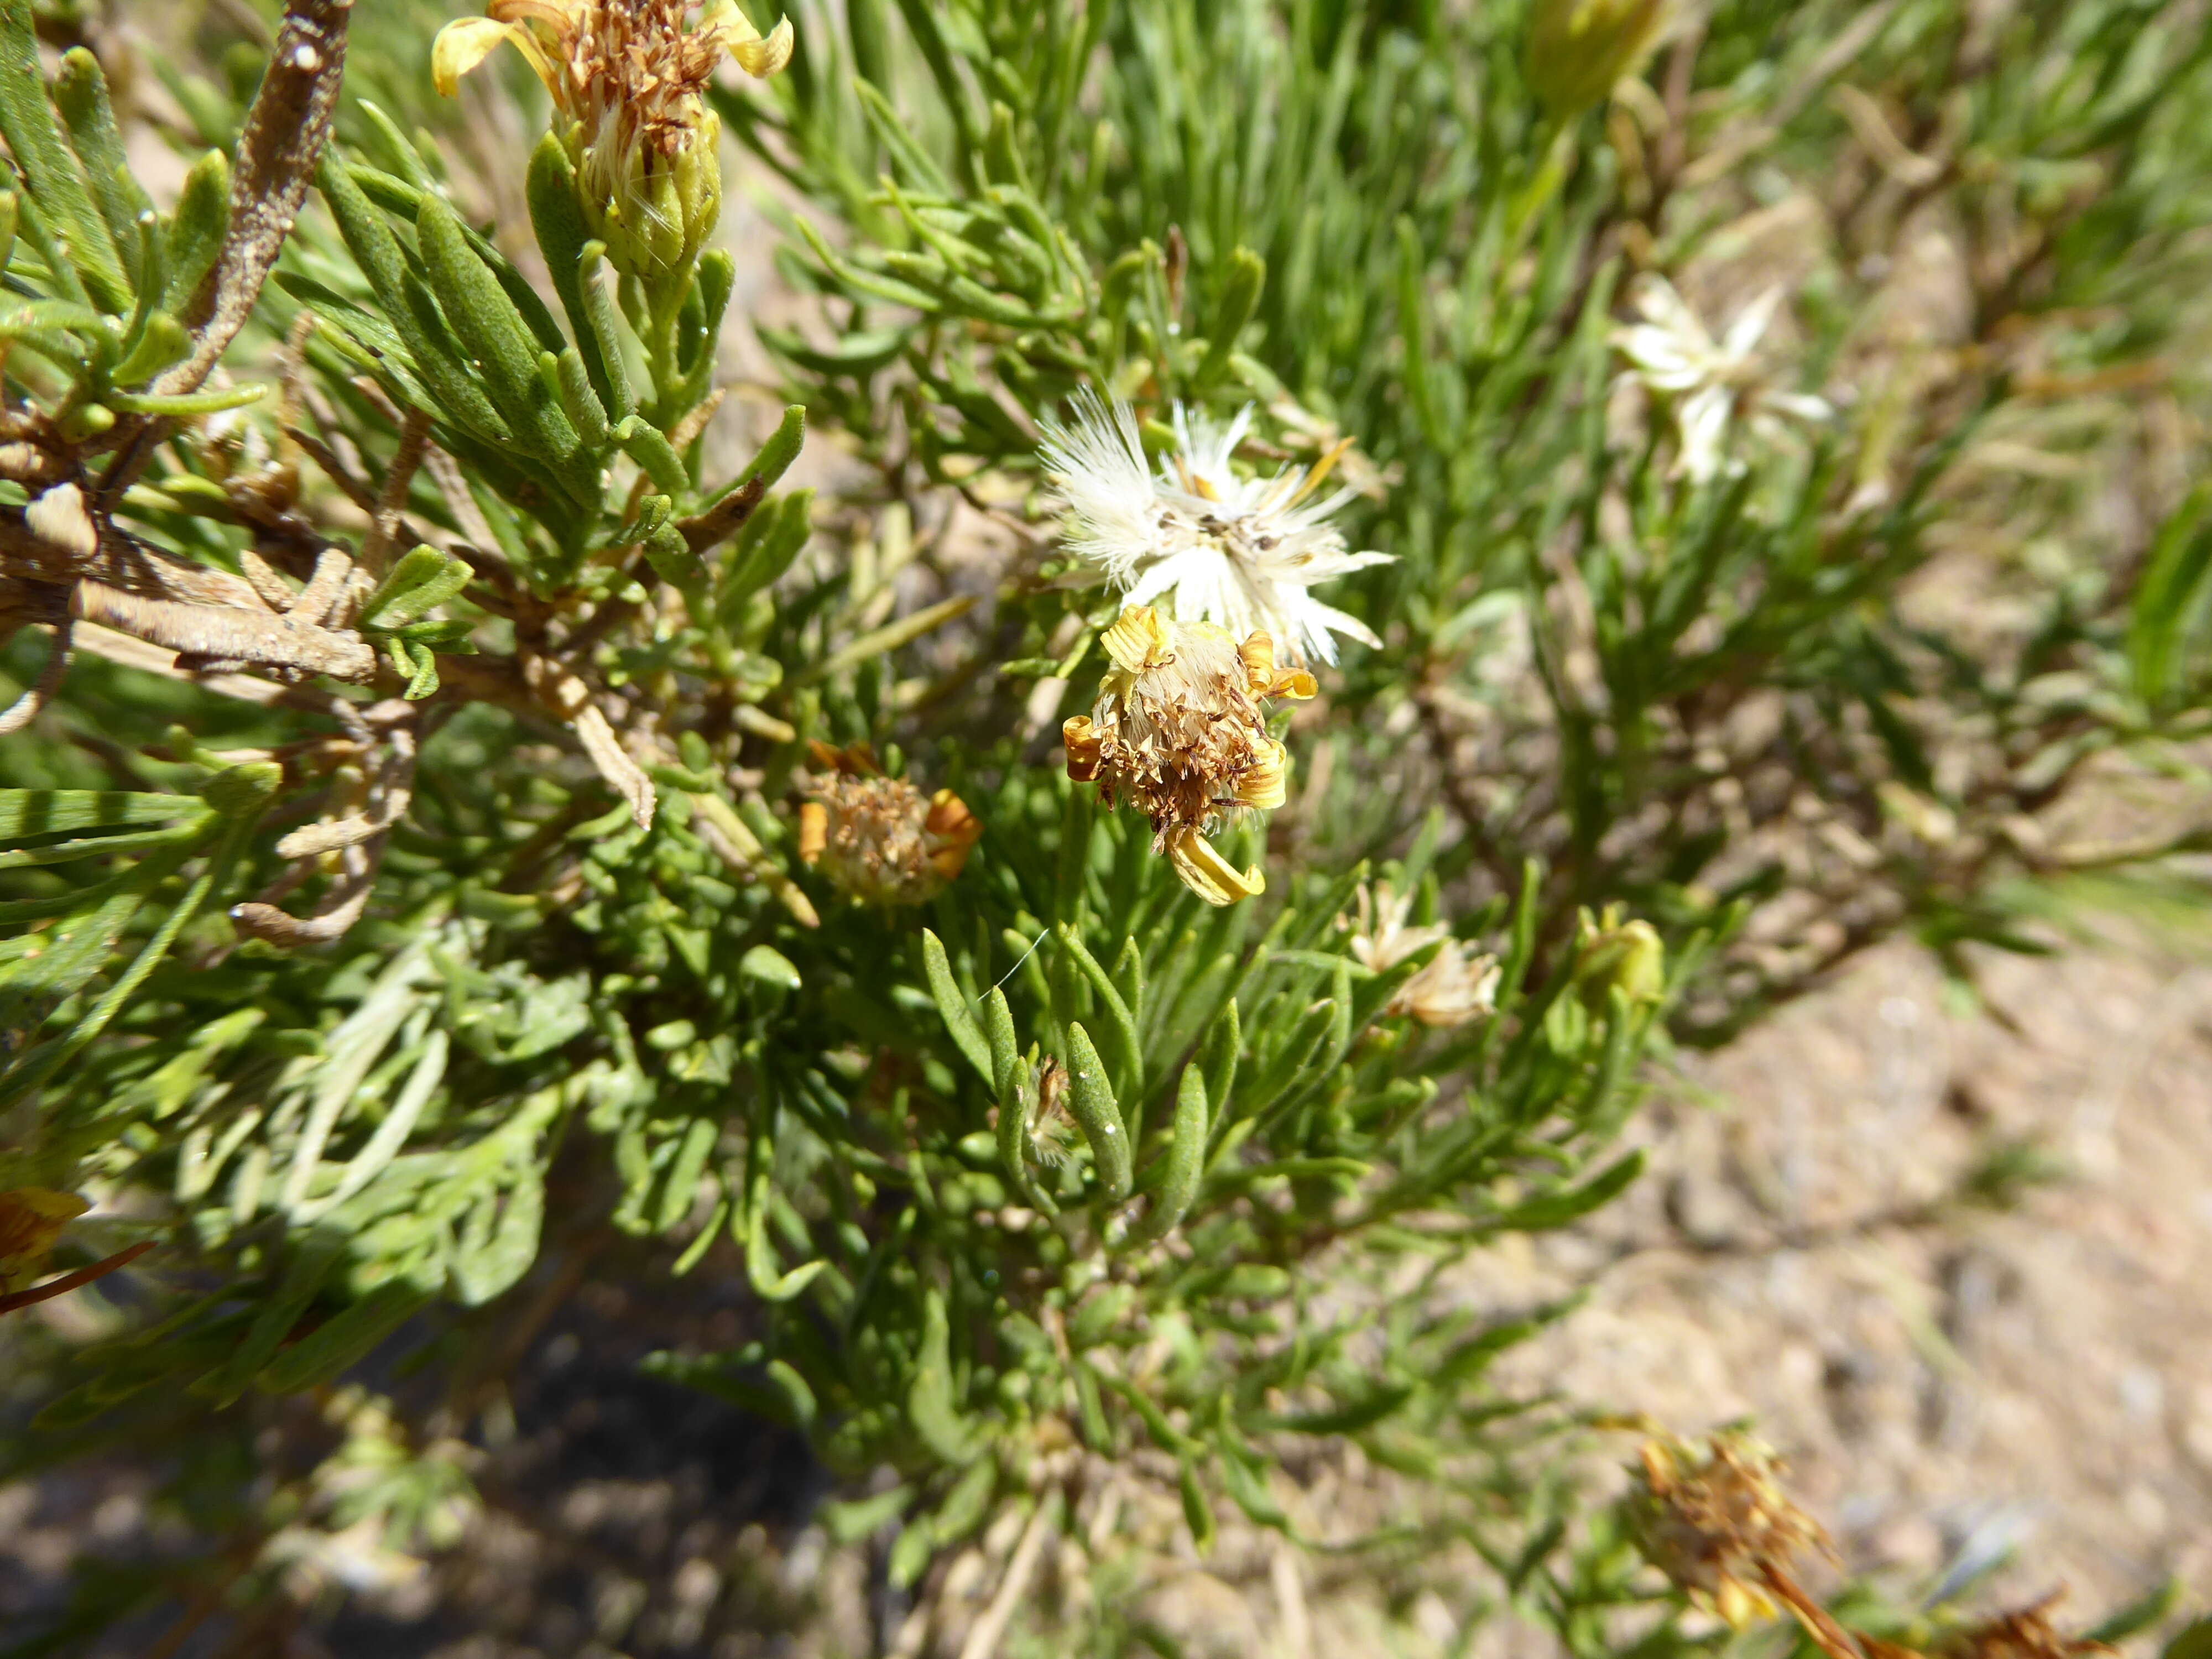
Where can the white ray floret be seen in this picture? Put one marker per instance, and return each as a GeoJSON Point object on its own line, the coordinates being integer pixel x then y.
{"type": "Point", "coordinates": [1671, 352]}
{"type": "Point", "coordinates": [1199, 540]}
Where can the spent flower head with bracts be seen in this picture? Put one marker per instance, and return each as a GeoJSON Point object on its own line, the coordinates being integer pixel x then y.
{"type": "Point", "coordinates": [625, 77]}
{"type": "Point", "coordinates": [1455, 985]}
{"type": "Point", "coordinates": [880, 840]}
{"type": "Point", "coordinates": [1053, 1132]}
{"type": "Point", "coordinates": [1178, 730]}
{"type": "Point", "coordinates": [1715, 1520]}
{"type": "Point", "coordinates": [1203, 542]}
{"type": "Point", "coordinates": [1673, 354]}
{"type": "Point", "coordinates": [2022, 1633]}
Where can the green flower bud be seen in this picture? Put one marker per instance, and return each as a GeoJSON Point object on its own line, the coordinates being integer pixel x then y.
{"type": "Point", "coordinates": [1577, 49]}
{"type": "Point", "coordinates": [1610, 952]}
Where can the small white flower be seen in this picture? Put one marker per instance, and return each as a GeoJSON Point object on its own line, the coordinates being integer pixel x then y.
{"type": "Point", "coordinates": [1454, 987]}
{"type": "Point", "coordinates": [1197, 539]}
{"type": "Point", "coordinates": [1672, 353]}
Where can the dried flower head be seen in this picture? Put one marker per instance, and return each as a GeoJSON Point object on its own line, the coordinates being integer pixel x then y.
{"type": "Point", "coordinates": [1243, 553]}
{"type": "Point", "coordinates": [31, 1219]}
{"type": "Point", "coordinates": [1052, 1126]}
{"type": "Point", "coordinates": [879, 839]}
{"type": "Point", "coordinates": [1455, 985]}
{"type": "Point", "coordinates": [1177, 730]}
{"type": "Point", "coordinates": [1672, 353]}
{"type": "Point", "coordinates": [2025, 1633]}
{"type": "Point", "coordinates": [625, 77]}
{"type": "Point", "coordinates": [1715, 1520]}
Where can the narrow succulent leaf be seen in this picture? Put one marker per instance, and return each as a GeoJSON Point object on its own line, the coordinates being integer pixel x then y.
{"type": "Point", "coordinates": [184, 405]}
{"type": "Point", "coordinates": [343, 1340]}
{"type": "Point", "coordinates": [1185, 1161]}
{"type": "Point", "coordinates": [550, 189]}
{"type": "Point", "coordinates": [494, 331]}
{"type": "Point", "coordinates": [952, 1008]}
{"type": "Point", "coordinates": [196, 225]}
{"type": "Point", "coordinates": [646, 444]}
{"type": "Point", "coordinates": [605, 331]}
{"type": "Point", "coordinates": [461, 399]}
{"type": "Point", "coordinates": [1129, 1048]}
{"type": "Point", "coordinates": [80, 96]}
{"type": "Point", "coordinates": [931, 1407]}
{"type": "Point", "coordinates": [1098, 1115]}
{"type": "Point", "coordinates": [34, 141]}
{"type": "Point", "coordinates": [580, 399]}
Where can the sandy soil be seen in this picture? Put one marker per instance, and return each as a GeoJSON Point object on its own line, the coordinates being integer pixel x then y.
{"type": "Point", "coordinates": [1946, 1384]}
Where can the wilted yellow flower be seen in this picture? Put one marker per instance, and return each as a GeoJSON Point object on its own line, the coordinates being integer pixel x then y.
{"type": "Point", "coordinates": [31, 1219]}
{"type": "Point", "coordinates": [879, 839]}
{"type": "Point", "coordinates": [1177, 729]}
{"type": "Point", "coordinates": [1716, 1521]}
{"type": "Point", "coordinates": [1454, 987]}
{"type": "Point", "coordinates": [1577, 49]}
{"type": "Point", "coordinates": [625, 77]}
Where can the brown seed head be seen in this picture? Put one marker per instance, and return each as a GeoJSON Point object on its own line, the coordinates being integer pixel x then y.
{"type": "Point", "coordinates": [1717, 1523]}
{"type": "Point", "coordinates": [1052, 1126]}
{"type": "Point", "coordinates": [1177, 730]}
{"type": "Point", "coordinates": [2027, 1634]}
{"type": "Point", "coordinates": [880, 840]}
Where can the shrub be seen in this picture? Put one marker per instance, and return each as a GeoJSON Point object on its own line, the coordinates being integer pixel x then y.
{"type": "Point", "coordinates": [491, 832]}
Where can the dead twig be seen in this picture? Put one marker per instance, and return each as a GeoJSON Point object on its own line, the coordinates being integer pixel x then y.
{"type": "Point", "coordinates": [285, 132]}
{"type": "Point", "coordinates": [706, 531]}
{"type": "Point", "coordinates": [359, 840]}
{"type": "Point", "coordinates": [561, 693]}
{"type": "Point", "coordinates": [220, 634]}
{"type": "Point", "coordinates": [987, 1632]}
{"type": "Point", "coordinates": [29, 706]}
{"type": "Point", "coordinates": [385, 523]}
{"type": "Point", "coordinates": [153, 660]}
{"type": "Point", "coordinates": [55, 539]}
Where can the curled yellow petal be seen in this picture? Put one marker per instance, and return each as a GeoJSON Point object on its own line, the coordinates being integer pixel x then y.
{"type": "Point", "coordinates": [1137, 641]}
{"type": "Point", "coordinates": [1264, 787]}
{"type": "Point", "coordinates": [463, 44]}
{"type": "Point", "coordinates": [813, 830]}
{"type": "Point", "coordinates": [761, 59]}
{"type": "Point", "coordinates": [958, 828]}
{"type": "Point", "coordinates": [1209, 875]}
{"type": "Point", "coordinates": [1084, 747]}
{"type": "Point", "coordinates": [1258, 655]}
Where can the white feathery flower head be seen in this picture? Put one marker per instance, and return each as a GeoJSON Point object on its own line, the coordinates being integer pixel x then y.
{"type": "Point", "coordinates": [1196, 539]}
{"type": "Point", "coordinates": [1671, 351]}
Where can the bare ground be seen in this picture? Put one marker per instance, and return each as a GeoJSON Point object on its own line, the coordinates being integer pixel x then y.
{"type": "Point", "coordinates": [1943, 1380]}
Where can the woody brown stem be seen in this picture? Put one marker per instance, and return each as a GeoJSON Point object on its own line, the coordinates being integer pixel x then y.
{"type": "Point", "coordinates": [215, 632]}
{"type": "Point", "coordinates": [285, 132]}
{"type": "Point", "coordinates": [386, 526]}
{"type": "Point", "coordinates": [1828, 1635]}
